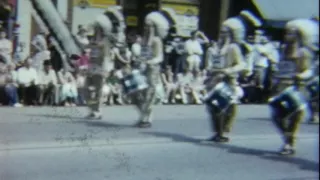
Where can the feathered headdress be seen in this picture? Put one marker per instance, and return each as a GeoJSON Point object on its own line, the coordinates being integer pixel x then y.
{"type": "Point", "coordinates": [308, 30]}
{"type": "Point", "coordinates": [111, 19]}
{"type": "Point", "coordinates": [164, 20]}
{"type": "Point", "coordinates": [240, 24]}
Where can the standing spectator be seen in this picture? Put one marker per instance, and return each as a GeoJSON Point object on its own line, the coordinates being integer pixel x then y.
{"type": "Point", "coordinates": [48, 84]}
{"type": "Point", "coordinates": [69, 93]}
{"type": "Point", "coordinates": [28, 81]}
{"type": "Point", "coordinates": [194, 50]}
{"type": "Point", "coordinates": [83, 61]}
{"type": "Point", "coordinates": [136, 52]}
{"type": "Point", "coordinates": [82, 37]}
{"type": "Point", "coordinates": [41, 50]}
{"type": "Point", "coordinates": [212, 52]}
{"type": "Point", "coordinates": [5, 48]}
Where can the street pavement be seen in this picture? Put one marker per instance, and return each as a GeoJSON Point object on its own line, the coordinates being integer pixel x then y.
{"type": "Point", "coordinates": [46, 143]}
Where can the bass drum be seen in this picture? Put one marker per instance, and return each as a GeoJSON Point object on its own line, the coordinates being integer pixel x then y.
{"type": "Point", "coordinates": [134, 82]}
{"type": "Point", "coordinates": [287, 102]}
{"type": "Point", "coordinates": [220, 97]}
{"type": "Point", "coordinates": [313, 89]}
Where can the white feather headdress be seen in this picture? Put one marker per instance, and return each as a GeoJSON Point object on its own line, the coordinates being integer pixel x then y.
{"type": "Point", "coordinates": [106, 23]}
{"type": "Point", "coordinates": [239, 27]}
{"type": "Point", "coordinates": [161, 22]}
{"type": "Point", "coordinates": [308, 29]}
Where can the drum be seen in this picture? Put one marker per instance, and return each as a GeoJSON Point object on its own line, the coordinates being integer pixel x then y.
{"type": "Point", "coordinates": [287, 102]}
{"type": "Point", "coordinates": [313, 88]}
{"type": "Point", "coordinates": [133, 82]}
{"type": "Point", "coordinates": [220, 96]}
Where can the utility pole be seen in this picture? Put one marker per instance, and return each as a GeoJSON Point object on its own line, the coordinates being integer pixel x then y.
{"type": "Point", "coordinates": [224, 11]}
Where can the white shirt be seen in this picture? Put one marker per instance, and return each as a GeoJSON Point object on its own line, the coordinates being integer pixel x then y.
{"type": "Point", "coordinates": [27, 75]}
{"type": "Point", "coordinates": [14, 75]}
{"type": "Point", "coordinates": [64, 77]}
{"type": "Point", "coordinates": [136, 49]}
{"type": "Point", "coordinates": [82, 40]}
{"type": "Point", "coordinates": [193, 47]}
{"type": "Point", "coordinates": [184, 79]}
{"type": "Point", "coordinates": [46, 78]}
{"type": "Point", "coordinates": [6, 49]}
{"type": "Point", "coordinates": [40, 42]}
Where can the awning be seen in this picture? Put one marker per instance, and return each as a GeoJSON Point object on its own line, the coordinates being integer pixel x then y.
{"type": "Point", "coordinates": [284, 10]}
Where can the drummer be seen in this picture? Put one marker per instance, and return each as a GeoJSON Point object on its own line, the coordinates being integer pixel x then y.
{"type": "Point", "coordinates": [227, 68]}
{"type": "Point", "coordinates": [108, 28]}
{"type": "Point", "coordinates": [294, 68]}
{"type": "Point", "coordinates": [157, 25]}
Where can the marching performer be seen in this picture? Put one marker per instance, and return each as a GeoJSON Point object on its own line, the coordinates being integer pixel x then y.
{"type": "Point", "coordinates": [109, 30]}
{"type": "Point", "coordinates": [157, 25]}
{"type": "Point", "coordinates": [294, 70]}
{"type": "Point", "coordinates": [222, 98]}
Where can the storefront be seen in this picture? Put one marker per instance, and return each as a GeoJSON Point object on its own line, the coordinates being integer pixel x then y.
{"type": "Point", "coordinates": [187, 15]}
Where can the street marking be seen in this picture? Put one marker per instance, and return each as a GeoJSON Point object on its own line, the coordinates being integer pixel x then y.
{"type": "Point", "coordinates": [137, 141]}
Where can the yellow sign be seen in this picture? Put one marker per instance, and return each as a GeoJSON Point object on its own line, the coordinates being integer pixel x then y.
{"type": "Point", "coordinates": [181, 1]}
{"type": "Point", "coordinates": [183, 9]}
{"type": "Point", "coordinates": [132, 20]}
{"type": "Point", "coordinates": [95, 3]}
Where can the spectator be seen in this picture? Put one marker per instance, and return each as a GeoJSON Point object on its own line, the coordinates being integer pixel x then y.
{"type": "Point", "coordinates": [28, 81]}
{"type": "Point", "coordinates": [11, 90]}
{"type": "Point", "coordinates": [83, 61]}
{"type": "Point", "coordinates": [136, 52]}
{"type": "Point", "coordinates": [48, 84]}
{"type": "Point", "coordinates": [184, 85]}
{"type": "Point", "coordinates": [41, 51]}
{"type": "Point", "coordinates": [82, 37]}
{"type": "Point", "coordinates": [81, 80]}
{"type": "Point", "coordinates": [194, 51]}
{"type": "Point", "coordinates": [212, 52]}
{"type": "Point", "coordinates": [113, 89]}
{"type": "Point", "coordinates": [5, 48]}
{"type": "Point", "coordinates": [69, 93]}
{"type": "Point", "coordinates": [169, 85]}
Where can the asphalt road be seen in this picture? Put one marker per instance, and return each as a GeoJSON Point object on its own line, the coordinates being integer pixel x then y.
{"type": "Point", "coordinates": [58, 144]}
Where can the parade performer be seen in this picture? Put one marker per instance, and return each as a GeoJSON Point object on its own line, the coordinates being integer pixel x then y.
{"type": "Point", "coordinates": [313, 85]}
{"type": "Point", "coordinates": [108, 28]}
{"type": "Point", "coordinates": [156, 28]}
{"type": "Point", "coordinates": [223, 88]}
{"type": "Point", "coordinates": [294, 71]}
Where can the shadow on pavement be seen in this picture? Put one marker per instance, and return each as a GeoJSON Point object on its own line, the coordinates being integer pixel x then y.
{"type": "Point", "coordinates": [264, 154]}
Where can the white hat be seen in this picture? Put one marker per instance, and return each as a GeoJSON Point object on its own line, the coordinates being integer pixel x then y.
{"type": "Point", "coordinates": [308, 29]}
{"type": "Point", "coordinates": [163, 20]}
{"type": "Point", "coordinates": [240, 24]}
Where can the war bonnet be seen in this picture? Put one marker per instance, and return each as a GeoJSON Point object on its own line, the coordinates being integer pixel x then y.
{"type": "Point", "coordinates": [110, 20]}
{"type": "Point", "coordinates": [240, 24]}
{"type": "Point", "coordinates": [163, 20]}
{"type": "Point", "coordinates": [307, 29]}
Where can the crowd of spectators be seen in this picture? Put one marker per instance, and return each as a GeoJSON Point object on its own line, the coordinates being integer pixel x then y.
{"type": "Point", "coordinates": [41, 78]}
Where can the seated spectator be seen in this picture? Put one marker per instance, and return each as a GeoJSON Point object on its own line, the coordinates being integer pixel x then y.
{"type": "Point", "coordinates": [198, 89]}
{"type": "Point", "coordinates": [28, 81]}
{"type": "Point", "coordinates": [169, 85]}
{"type": "Point", "coordinates": [81, 82]}
{"type": "Point", "coordinates": [5, 48]}
{"type": "Point", "coordinates": [48, 84]}
{"type": "Point", "coordinates": [184, 86]}
{"type": "Point", "coordinates": [112, 89]}
{"type": "Point", "coordinates": [69, 93]}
